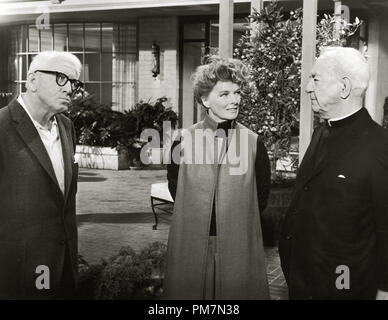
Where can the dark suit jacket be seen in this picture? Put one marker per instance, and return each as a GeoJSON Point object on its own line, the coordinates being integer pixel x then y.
{"type": "Point", "coordinates": [37, 222]}
{"type": "Point", "coordinates": [339, 215]}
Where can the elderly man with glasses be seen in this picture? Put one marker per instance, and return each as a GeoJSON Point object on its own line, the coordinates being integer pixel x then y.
{"type": "Point", "coordinates": [38, 183]}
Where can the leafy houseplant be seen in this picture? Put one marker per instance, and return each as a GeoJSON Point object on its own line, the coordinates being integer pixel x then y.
{"type": "Point", "coordinates": [98, 125]}
{"type": "Point", "coordinates": [273, 52]}
{"type": "Point", "coordinates": [127, 275]}
{"type": "Point", "coordinates": [150, 116]}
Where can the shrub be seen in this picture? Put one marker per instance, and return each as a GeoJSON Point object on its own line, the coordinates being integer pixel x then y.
{"type": "Point", "coordinates": [98, 125]}
{"type": "Point", "coordinates": [127, 275]}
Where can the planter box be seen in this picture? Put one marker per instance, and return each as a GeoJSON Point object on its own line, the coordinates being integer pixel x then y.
{"type": "Point", "coordinates": [101, 158]}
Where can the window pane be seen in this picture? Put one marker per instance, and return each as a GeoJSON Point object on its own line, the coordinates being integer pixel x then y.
{"type": "Point", "coordinates": [214, 29]}
{"type": "Point", "coordinates": [80, 57]}
{"type": "Point", "coordinates": [60, 37]}
{"type": "Point", "coordinates": [239, 28]}
{"type": "Point", "coordinates": [92, 37]}
{"type": "Point", "coordinates": [21, 38]}
{"type": "Point", "coordinates": [93, 89]}
{"type": "Point", "coordinates": [106, 67]}
{"type": "Point", "coordinates": [124, 77]}
{"type": "Point", "coordinates": [107, 37]}
{"type": "Point", "coordinates": [92, 67]}
{"type": "Point", "coordinates": [192, 52]}
{"type": "Point", "coordinates": [30, 57]}
{"type": "Point", "coordinates": [76, 40]}
{"type": "Point", "coordinates": [107, 94]}
{"type": "Point", "coordinates": [124, 68]}
{"type": "Point", "coordinates": [13, 57]}
{"type": "Point", "coordinates": [126, 39]}
{"type": "Point", "coordinates": [46, 38]}
{"type": "Point", "coordinates": [123, 96]}
{"type": "Point", "coordinates": [22, 67]}
{"type": "Point", "coordinates": [194, 31]}
{"type": "Point", "coordinates": [33, 37]}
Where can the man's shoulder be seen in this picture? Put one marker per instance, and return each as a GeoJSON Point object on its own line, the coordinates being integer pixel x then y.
{"type": "Point", "coordinates": [374, 139]}
{"type": "Point", "coordinates": [376, 132]}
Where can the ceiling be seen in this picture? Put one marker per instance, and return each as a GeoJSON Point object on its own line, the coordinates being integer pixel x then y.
{"type": "Point", "coordinates": [131, 15]}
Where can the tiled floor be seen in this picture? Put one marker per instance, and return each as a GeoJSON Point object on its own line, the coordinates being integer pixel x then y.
{"type": "Point", "coordinates": [113, 210]}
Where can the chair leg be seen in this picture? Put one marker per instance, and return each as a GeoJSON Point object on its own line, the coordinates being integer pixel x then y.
{"type": "Point", "coordinates": [155, 226]}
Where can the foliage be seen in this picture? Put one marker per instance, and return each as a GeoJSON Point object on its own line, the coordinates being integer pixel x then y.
{"type": "Point", "coordinates": [270, 103]}
{"type": "Point", "coordinates": [98, 125]}
{"type": "Point", "coordinates": [127, 275]}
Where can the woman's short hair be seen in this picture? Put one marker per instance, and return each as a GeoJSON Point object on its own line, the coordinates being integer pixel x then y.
{"type": "Point", "coordinates": [217, 69]}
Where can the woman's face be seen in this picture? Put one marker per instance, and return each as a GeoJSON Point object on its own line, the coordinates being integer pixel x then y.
{"type": "Point", "coordinates": [223, 101]}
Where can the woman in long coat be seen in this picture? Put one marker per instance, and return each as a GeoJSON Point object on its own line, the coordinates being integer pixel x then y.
{"type": "Point", "coordinates": [215, 247]}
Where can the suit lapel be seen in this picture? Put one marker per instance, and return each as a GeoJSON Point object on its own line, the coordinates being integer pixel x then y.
{"type": "Point", "coordinates": [67, 154]}
{"type": "Point", "coordinates": [30, 136]}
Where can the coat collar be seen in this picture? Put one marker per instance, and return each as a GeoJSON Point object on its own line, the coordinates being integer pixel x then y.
{"type": "Point", "coordinates": [352, 129]}
{"type": "Point", "coordinates": [27, 131]}
{"type": "Point", "coordinates": [210, 123]}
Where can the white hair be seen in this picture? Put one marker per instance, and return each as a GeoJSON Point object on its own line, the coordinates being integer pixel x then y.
{"type": "Point", "coordinates": [348, 62]}
{"type": "Point", "coordinates": [45, 59]}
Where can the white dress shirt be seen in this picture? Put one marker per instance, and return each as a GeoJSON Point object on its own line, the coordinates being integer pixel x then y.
{"type": "Point", "coordinates": [52, 142]}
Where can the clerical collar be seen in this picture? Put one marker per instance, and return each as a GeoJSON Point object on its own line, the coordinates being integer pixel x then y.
{"type": "Point", "coordinates": [337, 122]}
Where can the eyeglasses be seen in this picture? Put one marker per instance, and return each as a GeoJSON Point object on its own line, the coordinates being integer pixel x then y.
{"type": "Point", "coordinates": [62, 79]}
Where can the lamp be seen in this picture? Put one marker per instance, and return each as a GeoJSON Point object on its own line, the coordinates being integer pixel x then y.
{"type": "Point", "coordinates": [155, 50]}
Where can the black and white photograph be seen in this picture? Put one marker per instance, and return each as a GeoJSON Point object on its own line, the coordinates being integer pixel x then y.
{"type": "Point", "coordinates": [193, 154]}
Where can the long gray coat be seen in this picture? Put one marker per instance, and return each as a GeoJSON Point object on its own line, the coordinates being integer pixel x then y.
{"type": "Point", "coordinates": [241, 271]}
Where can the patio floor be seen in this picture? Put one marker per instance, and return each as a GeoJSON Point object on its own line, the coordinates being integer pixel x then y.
{"type": "Point", "coordinates": [113, 210]}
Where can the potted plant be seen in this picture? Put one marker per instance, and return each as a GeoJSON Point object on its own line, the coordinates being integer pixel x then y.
{"type": "Point", "coordinates": [149, 116]}
{"type": "Point", "coordinates": [110, 139]}
{"type": "Point", "coordinates": [270, 103]}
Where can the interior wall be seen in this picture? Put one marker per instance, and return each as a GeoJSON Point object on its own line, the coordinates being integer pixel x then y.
{"type": "Point", "coordinates": [164, 31]}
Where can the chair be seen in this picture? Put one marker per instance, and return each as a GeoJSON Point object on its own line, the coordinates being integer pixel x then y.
{"type": "Point", "coordinates": [161, 200]}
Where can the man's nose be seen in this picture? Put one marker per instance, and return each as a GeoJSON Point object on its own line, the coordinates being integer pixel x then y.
{"type": "Point", "coordinates": [67, 88]}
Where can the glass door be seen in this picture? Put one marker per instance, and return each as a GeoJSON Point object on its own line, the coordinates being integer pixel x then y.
{"type": "Point", "coordinates": [194, 44]}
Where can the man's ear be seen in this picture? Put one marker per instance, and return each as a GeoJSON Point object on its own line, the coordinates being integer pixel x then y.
{"type": "Point", "coordinates": [346, 88]}
{"type": "Point", "coordinates": [32, 81]}
{"type": "Point", "coordinates": [205, 102]}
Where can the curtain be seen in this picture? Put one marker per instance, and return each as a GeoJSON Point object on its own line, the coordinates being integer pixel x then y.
{"type": "Point", "coordinates": [124, 68]}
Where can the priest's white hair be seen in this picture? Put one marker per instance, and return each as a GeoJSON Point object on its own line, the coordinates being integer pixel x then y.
{"type": "Point", "coordinates": [350, 63]}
